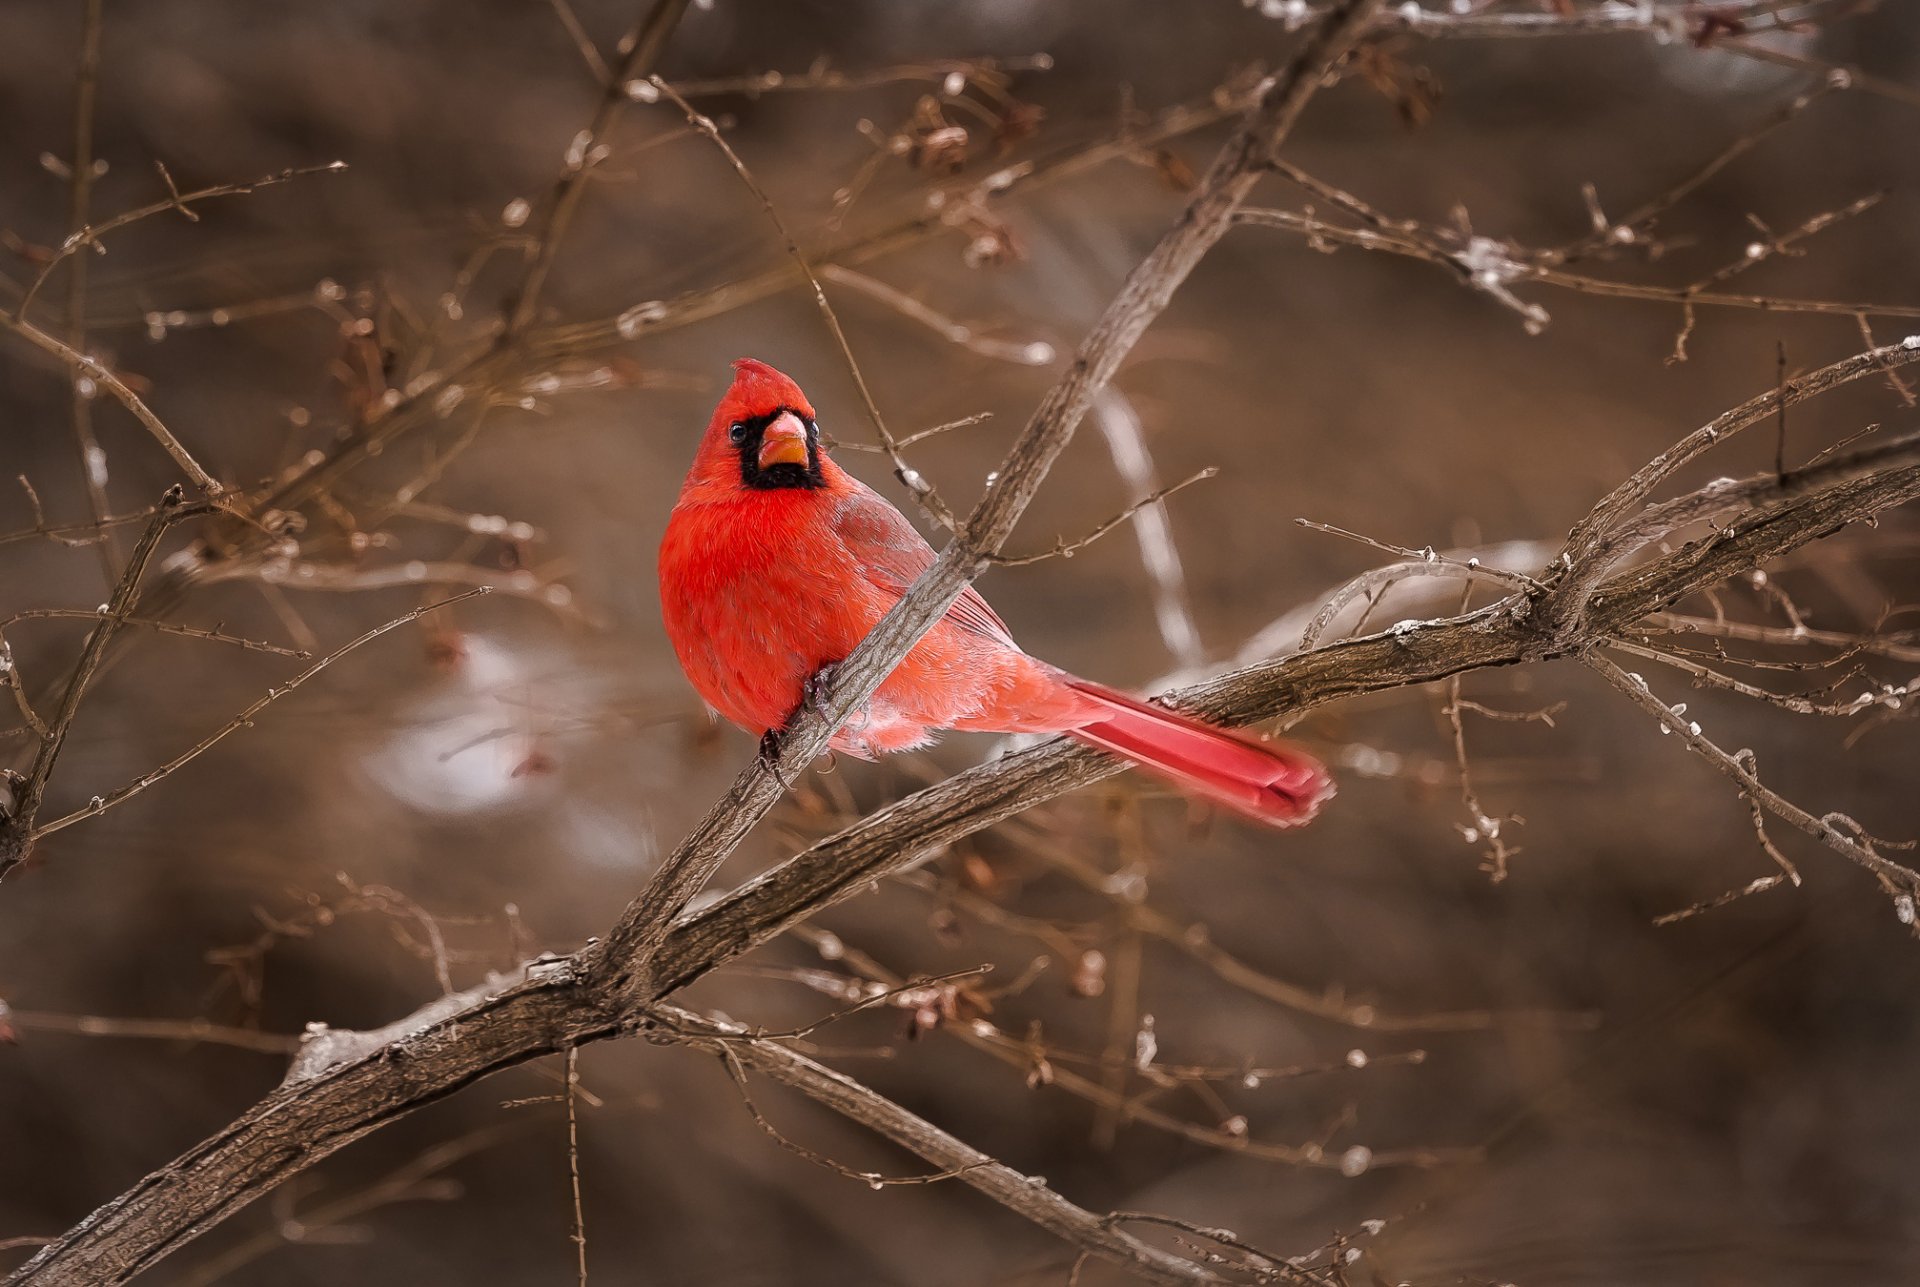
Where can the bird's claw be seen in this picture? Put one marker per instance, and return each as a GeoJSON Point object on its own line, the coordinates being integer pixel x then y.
{"type": "Point", "coordinates": [813, 697]}
{"type": "Point", "coordinates": [769, 757]}
{"type": "Point", "coordinates": [813, 693]}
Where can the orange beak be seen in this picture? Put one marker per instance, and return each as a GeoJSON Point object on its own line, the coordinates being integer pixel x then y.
{"type": "Point", "coordinates": [784, 442]}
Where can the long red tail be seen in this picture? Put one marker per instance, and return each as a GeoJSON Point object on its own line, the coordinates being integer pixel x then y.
{"type": "Point", "coordinates": [1271, 782]}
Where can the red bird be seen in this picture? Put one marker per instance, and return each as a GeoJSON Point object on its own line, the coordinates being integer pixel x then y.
{"type": "Point", "coordinates": [776, 562]}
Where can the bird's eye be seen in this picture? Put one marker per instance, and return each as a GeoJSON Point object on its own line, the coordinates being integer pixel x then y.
{"type": "Point", "coordinates": [738, 433]}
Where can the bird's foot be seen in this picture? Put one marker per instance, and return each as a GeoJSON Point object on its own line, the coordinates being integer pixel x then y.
{"type": "Point", "coordinates": [813, 693]}
{"type": "Point", "coordinates": [769, 757]}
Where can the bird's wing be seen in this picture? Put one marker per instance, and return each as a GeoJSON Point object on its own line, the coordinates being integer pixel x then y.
{"type": "Point", "coordinates": [892, 555]}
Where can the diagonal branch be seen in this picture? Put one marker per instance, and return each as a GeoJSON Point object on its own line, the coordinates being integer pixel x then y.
{"type": "Point", "coordinates": [1145, 294]}
{"type": "Point", "coordinates": [1025, 1195]}
{"type": "Point", "coordinates": [17, 820]}
{"type": "Point", "coordinates": [84, 365]}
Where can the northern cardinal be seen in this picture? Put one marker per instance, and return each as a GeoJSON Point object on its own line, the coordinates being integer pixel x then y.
{"type": "Point", "coordinates": [776, 562]}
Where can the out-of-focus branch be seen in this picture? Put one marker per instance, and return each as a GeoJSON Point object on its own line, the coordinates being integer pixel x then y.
{"type": "Point", "coordinates": [186, 1031]}
{"type": "Point", "coordinates": [1126, 442]}
{"type": "Point", "coordinates": [80, 177]}
{"type": "Point", "coordinates": [642, 48]}
{"type": "Point", "coordinates": [89, 236]}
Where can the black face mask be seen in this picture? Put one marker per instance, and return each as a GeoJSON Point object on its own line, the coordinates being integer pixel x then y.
{"type": "Point", "coordinates": [746, 436]}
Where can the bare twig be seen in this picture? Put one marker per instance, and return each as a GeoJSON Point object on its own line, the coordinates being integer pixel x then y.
{"type": "Point", "coordinates": [1482, 828]}
{"type": "Point", "coordinates": [1026, 1195]}
{"type": "Point", "coordinates": [642, 48]}
{"type": "Point", "coordinates": [209, 634]}
{"type": "Point", "coordinates": [85, 366]}
{"type": "Point", "coordinates": [1837, 832]}
{"type": "Point", "coordinates": [573, 1158]}
{"type": "Point", "coordinates": [1027, 353]}
{"type": "Point", "coordinates": [80, 177]}
{"type": "Point", "coordinates": [18, 828]}
{"type": "Point", "coordinates": [1065, 549]}
{"type": "Point", "coordinates": [589, 52]}
{"type": "Point", "coordinates": [119, 795]}
{"type": "Point", "coordinates": [90, 235]}
{"type": "Point", "coordinates": [192, 1031]}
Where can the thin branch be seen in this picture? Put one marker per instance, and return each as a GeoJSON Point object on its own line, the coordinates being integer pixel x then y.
{"type": "Point", "coordinates": [1065, 549]}
{"type": "Point", "coordinates": [1896, 649]}
{"type": "Point", "coordinates": [10, 679]}
{"type": "Point", "coordinates": [1483, 828]}
{"type": "Point", "coordinates": [84, 365]}
{"type": "Point", "coordinates": [119, 795]}
{"type": "Point", "coordinates": [589, 54]}
{"type": "Point", "coordinates": [821, 76]}
{"type": "Point", "coordinates": [1845, 76]}
{"type": "Point", "coordinates": [208, 634]}
{"type": "Point", "coordinates": [1635, 225]}
{"type": "Point", "coordinates": [919, 435]}
{"type": "Point", "coordinates": [1484, 264]}
{"type": "Point", "coordinates": [1025, 1195]}
{"type": "Point", "coordinates": [90, 235]}
{"type": "Point", "coordinates": [18, 824]}
{"type": "Point", "coordinates": [643, 47]}
{"type": "Point", "coordinates": [80, 176]}
{"type": "Point", "coordinates": [192, 1031]}
{"type": "Point", "coordinates": [573, 1158]}
{"type": "Point", "coordinates": [1028, 353]}
{"type": "Point", "coordinates": [1835, 831]}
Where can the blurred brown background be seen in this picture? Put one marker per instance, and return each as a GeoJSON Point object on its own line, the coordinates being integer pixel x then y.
{"type": "Point", "coordinates": [1741, 1113]}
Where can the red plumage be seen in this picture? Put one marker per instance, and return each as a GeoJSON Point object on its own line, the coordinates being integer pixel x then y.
{"type": "Point", "coordinates": [776, 563]}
